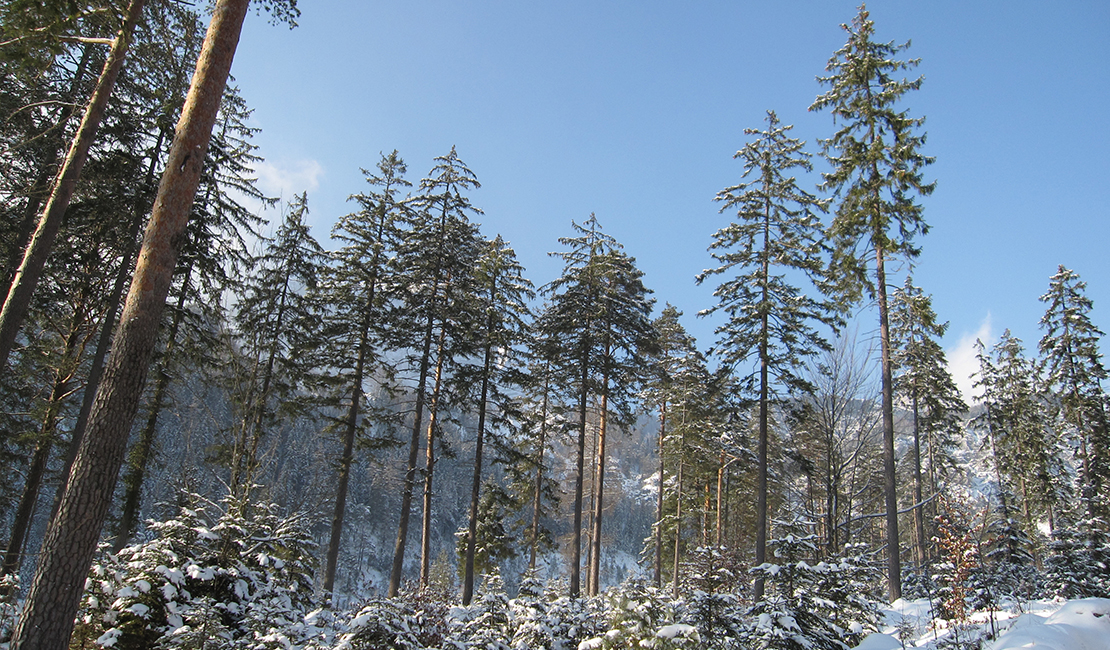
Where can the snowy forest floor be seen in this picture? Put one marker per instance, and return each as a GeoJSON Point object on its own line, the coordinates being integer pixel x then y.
{"type": "Point", "coordinates": [1082, 624]}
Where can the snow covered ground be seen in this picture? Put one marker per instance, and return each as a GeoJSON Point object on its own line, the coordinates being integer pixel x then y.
{"type": "Point", "coordinates": [1044, 625]}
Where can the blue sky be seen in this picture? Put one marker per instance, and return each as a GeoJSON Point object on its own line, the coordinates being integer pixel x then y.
{"type": "Point", "coordinates": [633, 109]}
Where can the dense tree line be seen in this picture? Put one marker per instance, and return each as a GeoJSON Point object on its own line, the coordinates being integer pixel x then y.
{"type": "Point", "coordinates": [275, 403]}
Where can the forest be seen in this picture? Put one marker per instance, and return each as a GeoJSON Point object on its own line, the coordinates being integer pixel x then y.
{"type": "Point", "coordinates": [222, 431]}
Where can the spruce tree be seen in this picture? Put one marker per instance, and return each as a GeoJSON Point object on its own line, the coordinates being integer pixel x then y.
{"type": "Point", "coordinates": [1073, 373]}
{"type": "Point", "coordinates": [921, 378]}
{"type": "Point", "coordinates": [505, 293]}
{"type": "Point", "coordinates": [438, 257]}
{"type": "Point", "coordinates": [876, 174]}
{"type": "Point", "coordinates": [771, 324]}
{"type": "Point", "coordinates": [356, 296]}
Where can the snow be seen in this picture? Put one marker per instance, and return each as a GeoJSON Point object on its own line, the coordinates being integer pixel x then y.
{"type": "Point", "coordinates": [1082, 624]}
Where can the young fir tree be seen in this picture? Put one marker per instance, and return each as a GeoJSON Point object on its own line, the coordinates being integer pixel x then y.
{"type": "Point", "coordinates": [1026, 452]}
{"type": "Point", "coordinates": [771, 324]}
{"type": "Point", "coordinates": [437, 313]}
{"type": "Point", "coordinates": [876, 174]}
{"type": "Point", "coordinates": [922, 380]}
{"type": "Point", "coordinates": [597, 322]}
{"type": "Point", "coordinates": [356, 294]}
{"type": "Point", "coordinates": [505, 293]}
{"type": "Point", "coordinates": [277, 328]}
{"type": "Point", "coordinates": [1073, 374]}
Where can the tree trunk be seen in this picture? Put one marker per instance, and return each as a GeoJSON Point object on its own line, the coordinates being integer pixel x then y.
{"type": "Point", "coordinates": [347, 458]}
{"type": "Point", "coordinates": [659, 503]}
{"type": "Point", "coordinates": [142, 451]}
{"type": "Point", "coordinates": [537, 499]}
{"type": "Point", "coordinates": [894, 563]}
{"type": "Point", "coordinates": [410, 473]}
{"type": "Point", "coordinates": [38, 249]}
{"type": "Point", "coordinates": [678, 521]}
{"type": "Point", "coordinates": [70, 542]}
{"type": "Point", "coordinates": [475, 486]}
{"type": "Point", "coordinates": [429, 465]}
{"type": "Point", "coordinates": [599, 489]}
{"type": "Point", "coordinates": [764, 396]}
{"type": "Point", "coordinates": [580, 466]}
{"type": "Point", "coordinates": [918, 492]}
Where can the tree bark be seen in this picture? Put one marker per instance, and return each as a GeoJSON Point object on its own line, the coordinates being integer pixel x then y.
{"type": "Point", "coordinates": [430, 465]}
{"type": "Point", "coordinates": [70, 542]}
{"type": "Point", "coordinates": [599, 489]}
{"type": "Point", "coordinates": [580, 466]}
{"type": "Point", "coordinates": [659, 504]}
{"type": "Point", "coordinates": [38, 249]}
{"type": "Point", "coordinates": [894, 563]}
{"type": "Point", "coordinates": [475, 487]}
{"type": "Point", "coordinates": [537, 498]}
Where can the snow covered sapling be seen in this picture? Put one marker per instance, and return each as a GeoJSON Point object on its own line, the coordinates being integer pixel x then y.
{"type": "Point", "coordinates": [640, 617]}
{"type": "Point", "coordinates": [245, 578]}
{"type": "Point", "coordinates": [788, 616]}
{"type": "Point", "coordinates": [1079, 564]}
{"type": "Point", "coordinates": [485, 624]}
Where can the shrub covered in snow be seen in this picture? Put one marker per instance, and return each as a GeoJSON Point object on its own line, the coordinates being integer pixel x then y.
{"type": "Point", "coordinates": [242, 579]}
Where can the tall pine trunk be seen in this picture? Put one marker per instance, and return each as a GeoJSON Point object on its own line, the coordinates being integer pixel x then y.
{"type": "Point", "coordinates": [658, 576]}
{"type": "Point", "coordinates": [70, 542]}
{"type": "Point", "coordinates": [409, 485]}
{"type": "Point", "coordinates": [580, 467]}
{"type": "Point", "coordinates": [38, 249]}
{"type": "Point", "coordinates": [430, 465]}
{"type": "Point", "coordinates": [475, 486]}
{"type": "Point", "coordinates": [347, 458]}
{"type": "Point", "coordinates": [894, 562]}
{"type": "Point", "coordinates": [537, 497]}
{"type": "Point", "coordinates": [599, 489]}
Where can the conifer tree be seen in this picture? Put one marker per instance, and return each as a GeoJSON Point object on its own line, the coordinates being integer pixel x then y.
{"type": "Point", "coordinates": [438, 256]}
{"type": "Point", "coordinates": [598, 315]}
{"type": "Point", "coordinates": [922, 379]}
{"type": "Point", "coordinates": [356, 293]}
{"type": "Point", "coordinates": [1026, 451]}
{"type": "Point", "coordinates": [876, 174]}
{"type": "Point", "coordinates": [505, 293]}
{"type": "Point", "coordinates": [1073, 374]}
{"type": "Point", "coordinates": [277, 325]}
{"type": "Point", "coordinates": [771, 322]}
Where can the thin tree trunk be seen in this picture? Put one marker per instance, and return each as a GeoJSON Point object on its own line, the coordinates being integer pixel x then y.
{"type": "Point", "coordinates": [659, 503]}
{"type": "Point", "coordinates": [38, 249]}
{"type": "Point", "coordinates": [48, 614]}
{"type": "Point", "coordinates": [347, 458]}
{"type": "Point", "coordinates": [580, 466]}
{"type": "Point", "coordinates": [410, 473]}
{"type": "Point", "coordinates": [764, 396]}
{"type": "Point", "coordinates": [475, 486]}
{"type": "Point", "coordinates": [894, 563]}
{"type": "Point", "coordinates": [430, 464]}
{"type": "Point", "coordinates": [599, 489]}
{"type": "Point", "coordinates": [678, 522]}
{"type": "Point", "coordinates": [537, 499]}
{"type": "Point", "coordinates": [919, 510]}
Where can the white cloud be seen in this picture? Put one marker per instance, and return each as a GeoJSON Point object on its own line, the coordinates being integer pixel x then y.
{"type": "Point", "coordinates": [288, 179]}
{"type": "Point", "coordinates": [961, 358]}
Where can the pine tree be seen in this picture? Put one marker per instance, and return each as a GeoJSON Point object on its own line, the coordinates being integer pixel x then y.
{"type": "Point", "coordinates": [771, 322]}
{"type": "Point", "coordinates": [1073, 374]}
{"type": "Point", "coordinates": [598, 317]}
{"type": "Point", "coordinates": [505, 293]}
{"type": "Point", "coordinates": [438, 257]}
{"type": "Point", "coordinates": [922, 379]}
{"type": "Point", "coordinates": [877, 175]}
{"type": "Point", "coordinates": [356, 295]}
